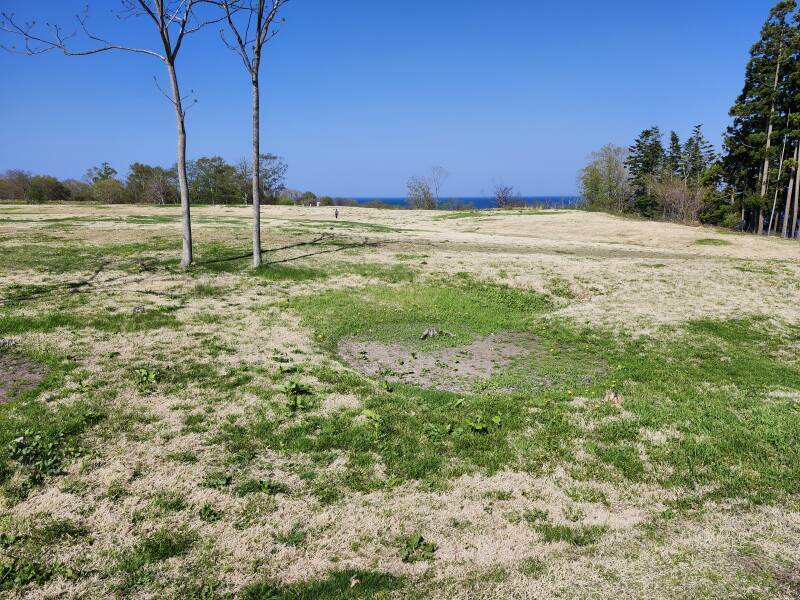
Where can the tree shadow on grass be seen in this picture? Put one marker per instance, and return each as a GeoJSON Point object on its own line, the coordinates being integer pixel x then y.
{"type": "Point", "coordinates": [326, 244]}
{"type": "Point", "coordinates": [340, 585]}
{"type": "Point", "coordinates": [324, 240]}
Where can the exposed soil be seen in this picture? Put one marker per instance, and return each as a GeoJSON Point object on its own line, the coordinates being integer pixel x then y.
{"type": "Point", "coordinates": [452, 369]}
{"type": "Point", "coordinates": [17, 375]}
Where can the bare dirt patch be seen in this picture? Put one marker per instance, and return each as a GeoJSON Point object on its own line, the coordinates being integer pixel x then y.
{"type": "Point", "coordinates": [451, 369]}
{"type": "Point", "coordinates": [18, 374]}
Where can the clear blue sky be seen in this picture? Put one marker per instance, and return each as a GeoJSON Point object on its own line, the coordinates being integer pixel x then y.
{"type": "Point", "coordinates": [362, 94]}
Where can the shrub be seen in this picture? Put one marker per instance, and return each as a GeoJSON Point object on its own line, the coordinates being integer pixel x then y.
{"type": "Point", "coordinates": [110, 191]}
{"type": "Point", "coordinates": [44, 188]}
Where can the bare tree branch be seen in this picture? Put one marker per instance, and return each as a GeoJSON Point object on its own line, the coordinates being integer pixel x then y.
{"type": "Point", "coordinates": [59, 39]}
{"type": "Point", "coordinates": [166, 16]}
{"type": "Point", "coordinates": [261, 20]}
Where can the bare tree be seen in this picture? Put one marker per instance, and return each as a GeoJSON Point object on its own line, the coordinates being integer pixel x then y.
{"type": "Point", "coordinates": [420, 195]}
{"type": "Point", "coordinates": [250, 23]}
{"type": "Point", "coordinates": [677, 200]}
{"type": "Point", "coordinates": [504, 195]}
{"type": "Point", "coordinates": [173, 20]}
{"type": "Point", "coordinates": [437, 177]}
{"type": "Point", "coordinates": [424, 193]}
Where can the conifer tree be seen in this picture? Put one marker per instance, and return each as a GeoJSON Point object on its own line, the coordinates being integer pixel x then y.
{"type": "Point", "coordinates": [646, 160]}
{"type": "Point", "coordinates": [675, 155]}
{"type": "Point", "coordinates": [761, 106]}
{"type": "Point", "coordinates": [698, 155]}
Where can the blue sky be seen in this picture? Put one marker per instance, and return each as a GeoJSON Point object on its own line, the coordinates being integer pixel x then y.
{"type": "Point", "coordinates": [359, 95]}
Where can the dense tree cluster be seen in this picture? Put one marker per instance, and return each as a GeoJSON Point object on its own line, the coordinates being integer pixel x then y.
{"type": "Point", "coordinates": [650, 179]}
{"type": "Point", "coordinates": [753, 185]}
{"type": "Point", "coordinates": [211, 180]}
{"type": "Point", "coordinates": [762, 144]}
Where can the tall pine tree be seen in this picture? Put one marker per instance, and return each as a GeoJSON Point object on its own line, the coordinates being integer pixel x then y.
{"type": "Point", "coordinates": [675, 155]}
{"type": "Point", "coordinates": [698, 155]}
{"type": "Point", "coordinates": [646, 160]}
{"type": "Point", "coordinates": [759, 111]}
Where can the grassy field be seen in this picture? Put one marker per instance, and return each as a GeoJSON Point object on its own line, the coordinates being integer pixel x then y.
{"type": "Point", "coordinates": [608, 407]}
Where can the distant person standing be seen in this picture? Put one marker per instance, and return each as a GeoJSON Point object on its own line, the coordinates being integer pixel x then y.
{"type": "Point", "coordinates": [336, 212]}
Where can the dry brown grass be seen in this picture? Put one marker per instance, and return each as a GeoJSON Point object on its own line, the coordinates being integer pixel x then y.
{"type": "Point", "coordinates": [631, 276]}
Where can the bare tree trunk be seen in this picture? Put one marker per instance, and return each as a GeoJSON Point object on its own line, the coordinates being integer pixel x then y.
{"type": "Point", "coordinates": [777, 188]}
{"type": "Point", "coordinates": [789, 196]}
{"type": "Point", "coordinates": [789, 200]}
{"type": "Point", "coordinates": [765, 171]}
{"type": "Point", "coordinates": [796, 188]}
{"type": "Point", "coordinates": [180, 122]}
{"type": "Point", "coordinates": [256, 172]}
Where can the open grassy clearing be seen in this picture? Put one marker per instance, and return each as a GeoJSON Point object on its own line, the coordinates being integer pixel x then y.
{"type": "Point", "coordinates": [205, 433]}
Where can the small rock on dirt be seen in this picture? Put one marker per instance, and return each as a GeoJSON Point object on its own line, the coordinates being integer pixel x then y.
{"type": "Point", "coordinates": [138, 309]}
{"type": "Point", "coordinates": [432, 332]}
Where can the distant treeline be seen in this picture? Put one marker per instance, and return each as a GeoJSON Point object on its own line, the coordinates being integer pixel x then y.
{"type": "Point", "coordinates": [211, 181]}
{"type": "Point", "coordinates": [753, 185]}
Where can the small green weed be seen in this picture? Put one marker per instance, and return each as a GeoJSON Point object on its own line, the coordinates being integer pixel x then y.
{"type": "Point", "coordinates": [170, 502]}
{"type": "Point", "coordinates": [145, 379]}
{"type": "Point", "coordinates": [218, 480]}
{"type": "Point", "coordinates": [294, 537]}
{"type": "Point", "coordinates": [209, 514]}
{"type": "Point", "coordinates": [577, 536]}
{"type": "Point", "coordinates": [252, 486]}
{"type": "Point", "coordinates": [533, 567]}
{"type": "Point", "coordinates": [415, 548]}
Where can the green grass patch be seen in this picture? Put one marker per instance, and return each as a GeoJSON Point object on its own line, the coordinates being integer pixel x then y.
{"type": "Point", "coordinates": [577, 536]}
{"type": "Point", "coordinates": [135, 567]}
{"type": "Point", "coordinates": [462, 214]}
{"type": "Point", "coordinates": [29, 554]}
{"type": "Point", "coordinates": [712, 242]}
{"type": "Point", "coordinates": [295, 536]}
{"type": "Point", "coordinates": [289, 272]}
{"type": "Point", "coordinates": [465, 307]}
{"type": "Point", "coordinates": [340, 585]}
{"type": "Point", "coordinates": [708, 384]}
{"type": "Point", "coordinates": [170, 502]}
{"type": "Point", "coordinates": [37, 439]}
{"type": "Point", "coordinates": [533, 567]}
{"type": "Point", "coordinates": [64, 257]}
{"type": "Point", "coordinates": [15, 324]}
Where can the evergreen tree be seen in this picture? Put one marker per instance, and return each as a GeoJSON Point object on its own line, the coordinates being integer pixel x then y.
{"type": "Point", "coordinates": [698, 155]}
{"type": "Point", "coordinates": [646, 161]}
{"type": "Point", "coordinates": [760, 109]}
{"type": "Point", "coordinates": [675, 155]}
